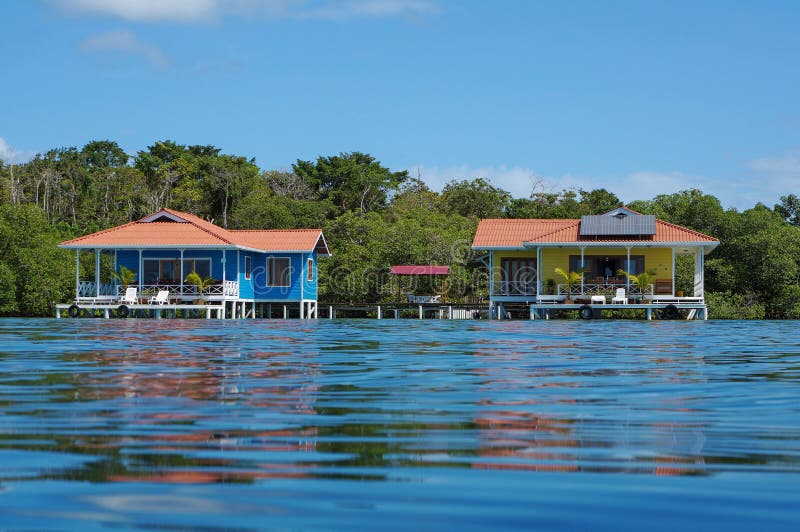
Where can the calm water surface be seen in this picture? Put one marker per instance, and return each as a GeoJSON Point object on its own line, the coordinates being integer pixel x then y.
{"type": "Point", "coordinates": [176, 425]}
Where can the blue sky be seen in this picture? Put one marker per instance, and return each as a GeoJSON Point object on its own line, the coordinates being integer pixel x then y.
{"type": "Point", "coordinates": [639, 97]}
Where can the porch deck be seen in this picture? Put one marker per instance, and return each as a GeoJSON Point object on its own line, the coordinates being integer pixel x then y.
{"type": "Point", "coordinates": [668, 307]}
{"type": "Point", "coordinates": [89, 292]}
{"type": "Point", "coordinates": [111, 307]}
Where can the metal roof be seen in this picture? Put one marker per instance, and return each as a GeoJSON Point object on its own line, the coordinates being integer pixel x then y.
{"type": "Point", "coordinates": [618, 225]}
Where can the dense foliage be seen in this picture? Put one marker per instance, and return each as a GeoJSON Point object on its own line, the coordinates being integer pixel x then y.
{"type": "Point", "coordinates": [373, 218]}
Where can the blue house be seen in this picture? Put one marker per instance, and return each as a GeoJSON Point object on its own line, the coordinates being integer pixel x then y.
{"type": "Point", "coordinates": [248, 268]}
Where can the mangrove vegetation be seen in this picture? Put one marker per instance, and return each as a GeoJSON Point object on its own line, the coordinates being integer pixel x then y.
{"type": "Point", "coordinates": [373, 217]}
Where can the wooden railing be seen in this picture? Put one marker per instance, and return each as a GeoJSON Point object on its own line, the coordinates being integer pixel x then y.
{"type": "Point", "coordinates": [604, 289]}
{"type": "Point", "coordinates": [224, 290]}
{"type": "Point", "coordinates": [515, 288]}
{"type": "Point", "coordinates": [86, 289]}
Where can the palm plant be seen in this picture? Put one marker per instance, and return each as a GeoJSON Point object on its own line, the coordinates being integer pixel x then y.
{"type": "Point", "coordinates": [570, 279]}
{"type": "Point", "coordinates": [642, 281]}
{"type": "Point", "coordinates": [124, 277]}
{"type": "Point", "coordinates": [201, 284]}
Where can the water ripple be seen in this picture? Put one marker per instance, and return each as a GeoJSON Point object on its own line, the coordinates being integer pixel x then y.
{"type": "Point", "coordinates": [149, 404]}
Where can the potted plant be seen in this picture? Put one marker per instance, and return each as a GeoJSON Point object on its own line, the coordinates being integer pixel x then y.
{"type": "Point", "coordinates": [570, 279]}
{"type": "Point", "coordinates": [550, 286]}
{"type": "Point", "coordinates": [201, 284]}
{"type": "Point", "coordinates": [642, 281]}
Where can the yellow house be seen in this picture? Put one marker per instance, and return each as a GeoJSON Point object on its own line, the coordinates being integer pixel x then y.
{"type": "Point", "coordinates": [523, 256]}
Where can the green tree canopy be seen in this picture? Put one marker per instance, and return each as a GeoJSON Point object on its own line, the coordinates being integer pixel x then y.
{"type": "Point", "coordinates": [477, 198]}
{"type": "Point", "coordinates": [351, 181]}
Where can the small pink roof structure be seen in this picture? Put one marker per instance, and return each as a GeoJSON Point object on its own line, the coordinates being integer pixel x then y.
{"type": "Point", "coordinates": [420, 269]}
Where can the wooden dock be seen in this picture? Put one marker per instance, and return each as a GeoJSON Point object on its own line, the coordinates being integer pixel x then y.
{"type": "Point", "coordinates": [669, 308]}
{"type": "Point", "coordinates": [588, 311]}
{"type": "Point", "coordinates": [107, 310]}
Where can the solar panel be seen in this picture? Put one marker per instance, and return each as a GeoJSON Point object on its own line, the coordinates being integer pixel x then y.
{"type": "Point", "coordinates": [618, 225]}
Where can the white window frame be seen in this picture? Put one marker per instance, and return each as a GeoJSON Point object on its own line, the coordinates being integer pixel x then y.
{"type": "Point", "coordinates": [248, 267]}
{"type": "Point", "coordinates": [269, 273]}
{"type": "Point", "coordinates": [178, 260]}
{"type": "Point", "coordinates": [310, 269]}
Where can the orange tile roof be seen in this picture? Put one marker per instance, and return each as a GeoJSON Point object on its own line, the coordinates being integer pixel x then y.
{"type": "Point", "coordinates": [283, 239]}
{"type": "Point", "coordinates": [513, 233]}
{"type": "Point", "coordinates": [169, 228]}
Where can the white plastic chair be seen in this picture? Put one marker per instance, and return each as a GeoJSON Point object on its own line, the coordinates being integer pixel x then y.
{"type": "Point", "coordinates": [162, 298]}
{"type": "Point", "coordinates": [130, 296]}
{"type": "Point", "coordinates": [620, 297]}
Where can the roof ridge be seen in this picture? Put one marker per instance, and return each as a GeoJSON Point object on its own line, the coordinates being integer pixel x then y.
{"type": "Point", "coordinates": [200, 226]}
{"type": "Point", "coordinates": [530, 220]}
{"type": "Point", "coordinates": [272, 230]}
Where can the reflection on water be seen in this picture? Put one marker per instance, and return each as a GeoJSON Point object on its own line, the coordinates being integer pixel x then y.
{"type": "Point", "coordinates": [384, 403]}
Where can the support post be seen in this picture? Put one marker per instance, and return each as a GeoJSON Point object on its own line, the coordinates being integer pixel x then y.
{"type": "Point", "coordinates": [583, 263]}
{"type": "Point", "coordinates": [77, 273]}
{"type": "Point", "coordinates": [673, 272]}
{"type": "Point", "coordinates": [302, 309]}
{"type": "Point", "coordinates": [628, 269]}
{"type": "Point", "coordinates": [285, 314]}
{"type": "Point", "coordinates": [491, 274]}
{"type": "Point", "coordinates": [491, 282]}
{"type": "Point", "coordinates": [420, 312]}
{"type": "Point", "coordinates": [538, 271]}
{"type": "Point", "coordinates": [97, 273]}
{"type": "Point", "coordinates": [379, 312]}
{"type": "Point", "coordinates": [183, 274]}
{"type": "Point", "coordinates": [699, 259]}
{"type": "Point", "coordinates": [140, 274]}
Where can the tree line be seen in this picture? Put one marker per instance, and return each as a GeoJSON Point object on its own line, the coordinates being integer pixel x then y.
{"type": "Point", "coordinates": [373, 217]}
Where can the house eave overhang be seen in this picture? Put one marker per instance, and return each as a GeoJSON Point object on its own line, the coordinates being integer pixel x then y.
{"type": "Point", "coordinates": [326, 253]}
{"type": "Point", "coordinates": [499, 248]}
{"type": "Point", "coordinates": [159, 246]}
{"type": "Point", "coordinates": [707, 245]}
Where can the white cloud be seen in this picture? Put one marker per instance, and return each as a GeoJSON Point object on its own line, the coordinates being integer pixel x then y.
{"type": "Point", "coordinates": [199, 11]}
{"type": "Point", "coordinates": [640, 185]}
{"type": "Point", "coordinates": [145, 10]}
{"type": "Point", "coordinates": [776, 176]}
{"type": "Point", "coordinates": [518, 181]}
{"type": "Point", "coordinates": [645, 185]}
{"type": "Point", "coordinates": [785, 167]}
{"type": "Point", "coordinates": [10, 155]}
{"type": "Point", "coordinates": [338, 10]}
{"type": "Point", "coordinates": [126, 42]}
